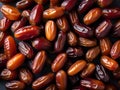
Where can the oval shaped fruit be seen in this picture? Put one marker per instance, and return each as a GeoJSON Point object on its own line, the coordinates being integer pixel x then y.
{"type": "Point", "coordinates": [10, 12]}
{"type": "Point", "coordinates": [76, 67]}
{"type": "Point", "coordinates": [53, 13]}
{"type": "Point", "coordinates": [10, 48]}
{"type": "Point", "coordinates": [16, 61]}
{"type": "Point", "coordinates": [59, 62]}
{"type": "Point", "coordinates": [50, 30]}
{"type": "Point", "coordinates": [92, 16]}
{"type": "Point", "coordinates": [109, 63]}
{"type": "Point", "coordinates": [27, 32]}
{"type": "Point", "coordinates": [2, 38]}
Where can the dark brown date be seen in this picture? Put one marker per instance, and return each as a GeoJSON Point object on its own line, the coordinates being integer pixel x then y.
{"type": "Point", "coordinates": [42, 81]}
{"type": "Point", "coordinates": [74, 52]}
{"type": "Point", "coordinates": [60, 42]}
{"type": "Point", "coordinates": [101, 73]}
{"type": "Point", "coordinates": [68, 4]}
{"type": "Point", "coordinates": [111, 13]}
{"type": "Point", "coordinates": [104, 3]}
{"type": "Point", "coordinates": [41, 44]}
{"type": "Point", "coordinates": [25, 76]}
{"type": "Point", "coordinates": [116, 28]}
{"type": "Point", "coordinates": [92, 84]}
{"type": "Point", "coordinates": [51, 87]}
{"type": "Point", "coordinates": [2, 38]}
{"type": "Point", "coordinates": [85, 5]}
{"type": "Point", "coordinates": [3, 60]}
{"type": "Point", "coordinates": [36, 15]}
{"type": "Point", "coordinates": [26, 49]}
{"type": "Point", "coordinates": [83, 30]}
{"type": "Point", "coordinates": [110, 87]}
{"type": "Point", "coordinates": [7, 74]}
{"type": "Point", "coordinates": [103, 29]}
{"type": "Point", "coordinates": [116, 73]}
{"type": "Point", "coordinates": [15, 85]}
{"type": "Point", "coordinates": [6, 1]}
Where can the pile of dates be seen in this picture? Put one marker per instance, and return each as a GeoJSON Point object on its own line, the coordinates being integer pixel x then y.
{"type": "Point", "coordinates": [60, 44]}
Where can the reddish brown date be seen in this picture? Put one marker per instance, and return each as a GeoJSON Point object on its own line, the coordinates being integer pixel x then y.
{"type": "Point", "coordinates": [115, 50]}
{"type": "Point", "coordinates": [26, 49]}
{"type": "Point", "coordinates": [78, 66]}
{"type": "Point", "coordinates": [27, 32]}
{"type": "Point", "coordinates": [6, 1]}
{"type": "Point", "coordinates": [104, 3]}
{"type": "Point", "coordinates": [103, 29]}
{"type": "Point", "coordinates": [7, 74]}
{"type": "Point", "coordinates": [10, 48]}
{"type": "Point", "coordinates": [19, 24]}
{"type": "Point", "coordinates": [105, 46]}
{"type": "Point", "coordinates": [60, 42]}
{"type": "Point", "coordinates": [26, 13]}
{"type": "Point", "coordinates": [111, 13]}
{"type": "Point", "coordinates": [69, 4]}
{"type": "Point", "coordinates": [116, 32]}
{"type": "Point", "coordinates": [59, 62]}
{"type": "Point", "coordinates": [85, 5]}
{"type": "Point", "coordinates": [110, 87]}
{"type": "Point", "coordinates": [41, 1]}
{"type": "Point", "coordinates": [109, 63]}
{"type": "Point", "coordinates": [36, 15]}
{"type": "Point", "coordinates": [61, 80]}
{"type": "Point", "coordinates": [41, 44]}
{"type": "Point", "coordinates": [15, 85]}
{"type": "Point", "coordinates": [5, 24]}
{"type": "Point", "coordinates": [3, 60]}
{"type": "Point", "coordinates": [2, 38]}
{"type": "Point", "coordinates": [63, 24]}
{"type": "Point", "coordinates": [42, 81]}
{"type": "Point", "coordinates": [116, 73]}
{"type": "Point", "coordinates": [39, 62]}
{"type": "Point", "coordinates": [10, 12]}
{"type": "Point", "coordinates": [51, 87]}
{"type": "Point", "coordinates": [25, 76]}
{"type": "Point", "coordinates": [92, 84]}
{"type": "Point", "coordinates": [83, 30]}
{"type": "Point", "coordinates": [24, 4]}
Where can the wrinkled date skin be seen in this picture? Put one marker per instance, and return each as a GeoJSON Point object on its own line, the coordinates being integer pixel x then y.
{"type": "Point", "coordinates": [104, 3]}
{"type": "Point", "coordinates": [103, 29]}
{"type": "Point", "coordinates": [85, 5]}
{"type": "Point", "coordinates": [74, 52]}
{"type": "Point", "coordinates": [61, 80]}
{"type": "Point", "coordinates": [72, 39]}
{"type": "Point", "coordinates": [78, 66]}
{"type": "Point", "coordinates": [88, 70]}
{"type": "Point", "coordinates": [2, 38]}
{"type": "Point", "coordinates": [111, 13]}
{"type": "Point", "coordinates": [15, 85]}
{"type": "Point", "coordinates": [24, 4]}
{"type": "Point", "coordinates": [92, 84]}
{"type": "Point", "coordinates": [101, 73]}
{"type": "Point", "coordinates": [53, 13]}
{"type": "Point", "coordinates": [92, 53]}
{"type": "Point", "coordinates": [5, 24]}
{"type": "Point", "coordinates": [115, 50]}
{"type": "Point", "coordinates": [63, 24]}
{"type": "Point", "coordinates": [41, 44]}
{"type": "Point", "coordinates": [7, 74]}
{"type": "Point", "coordinates": [10, 48]}
{"type": "Point", "coordinates": [38, 62]}
{"type": "Point", "coordinates": [51, 87]}
{"type": "Point", "coordinates": [16, 61]}
{"type": "Point", "coordinates": [87, 42]}
{"type": "Point", "coordinates": [105, 46]}
{"type": "Point", "coordinates": [92, 16]}
{"type": "Point", "coordinates": [3, 60]}
{"type": "Point", "coordinates": [83, 30]}
{"type": "Point", "coordinates": [68, 4]}
{"type": "Point", "coordinates": [26, 49]}
{"type": "Point", "coordinates": [25, 76]}
{"type": "Point", "coordinates": [59, 62]}
{"type": "Point", "coordinates": [27, 32]}
{"type": "Point", "coordinates": [10, 12]}
{"type": "Point", "coordinates": [50, 30]}
{"type": "Point", "coordinates": [109, 63]}
{"type": "Point", "coordinates": [36, 15]}
{"type": "Point", "coordinates": [42, 81]}
{"type": "Point", "coordinates": [60, 42]}
{"type": "Point", "coordinates": [26, 13]}
{"type": "Point", "coordinates": [19, 24]}
{"type": "Point", "coordinates": [116, 28]}
{"type": "Point", "coordinates": [73, 17]}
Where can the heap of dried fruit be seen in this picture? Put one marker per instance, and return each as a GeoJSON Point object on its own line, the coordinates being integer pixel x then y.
{"type": "Point", "coordinates": [60, 44]}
